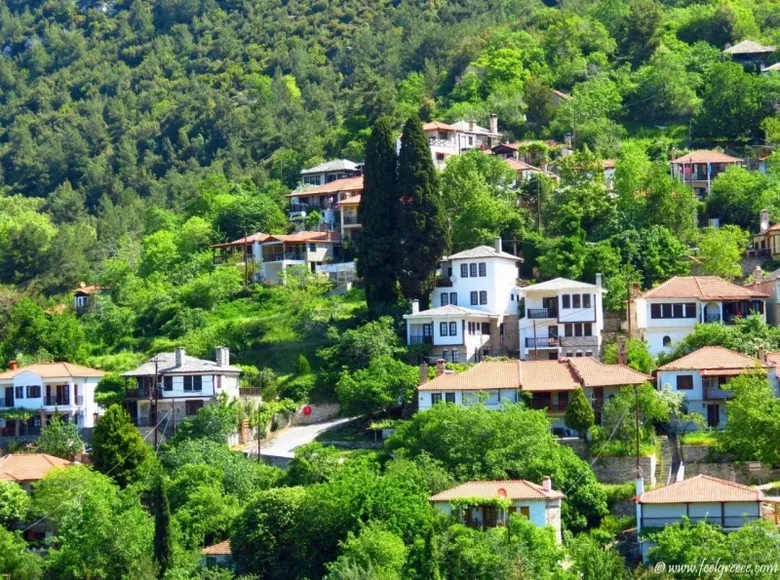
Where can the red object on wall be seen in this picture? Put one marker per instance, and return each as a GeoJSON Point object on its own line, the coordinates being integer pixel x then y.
{"type": "Point", "coordinates": [307, 410]}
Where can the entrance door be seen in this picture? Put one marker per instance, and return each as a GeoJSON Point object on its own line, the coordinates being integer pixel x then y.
{"type": "Point", "coordinates": [713, 415]}
{"type": "Point", "coordinates": [489, 516]}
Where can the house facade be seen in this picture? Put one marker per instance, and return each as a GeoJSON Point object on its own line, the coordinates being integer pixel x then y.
{"type": "Point", "coordinates": [765, 243]}
{"type": "Point", "coordinates": [668, 313]}
{"type": "Point", "coordinates": [474, 307]}
{"type": "Point", "coordinates": [348, 216]}
{"type": "Point", "coordinates": [85, 297]}
{"type": "Point", "coordinates": [540, 504]}
{"type": "Point", "coordinates": [726, 504]}
{"type": "Point", "coordinates": [446, 140]}
{"type": "Point", "coordinates": [180, 384]}
{"type": "Point", "coordinates": [217, 555]}
{"type": "Point", "coordinates": [703, 375]}
{"type": "Point", "coordinates": [561, 318]}
{"type": "Point", "coordinates": [49, 389]}
{"type": "Point", "coordinates": [750, 54]}
{"type": "Point", "coordinates": [699, 169]}
{"type": "Point", "coordinates": [324, 200]}
{"type": "Point", "coordinates": [769, 284]}
{"type": "Point", "coordinates": [330, 171]}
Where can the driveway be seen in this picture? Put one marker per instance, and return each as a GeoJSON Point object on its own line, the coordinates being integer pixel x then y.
{"type": "Point", "coordinates": [284, 444]}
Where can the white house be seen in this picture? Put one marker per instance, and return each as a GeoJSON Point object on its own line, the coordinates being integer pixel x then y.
{"type": "Point", "coordinates": [474, 310]}
{"type": "Point", "coordinates": [217, 555]}
{"type": "Point", "coordinates": [541, 504]}
{"type": "Point", "coordinates": [330, 171]}
{"type": "Point", "coordinates": [703, 498]}
{"type": "Point", "coordinates": [702, 374]}
{"type": "Point", "coordinates": [184, 384]}
{"type": "Point", "coordinates": [561, 317]}
{"type": "Point", "coordinates": [668, 313]}
{"type": "Point", "coordinates": [324, 200]}
{"type": "Point", "coordinates": [446, 140]}
{"type": "Point", "coordinates": [698, 169]}
{"type": "Point", "coordinates": [60, 388]}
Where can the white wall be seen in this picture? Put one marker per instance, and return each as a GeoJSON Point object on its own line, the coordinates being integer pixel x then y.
{"type": "Point", "coordinates": [494, 401]}
{"type": "Point", "coordinates": [178, 391]}
{"type": "Point", "coordinates": [499, 282]}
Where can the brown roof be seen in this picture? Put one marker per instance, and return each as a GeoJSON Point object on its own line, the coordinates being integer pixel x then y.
{"type": "Point", "coordinates": [354, 200]}
{"type": "Point", "coordinates": [702, 288]}
{"type": "Point", "coordinates": [712, 357]}
{"type": "Point", "coordinates": [594, 373]}
{"type": "Point", "coordinates": [703, 489]}
{"type": "Point", "coordinates": [88, 289]}
{"type": "Point", "coordinates": [749, 47]}
{"type": "Point", "coordinates": [487, 375]}
{"type": "Point", "coordinates": [221, 549]}
{"type": "Point", "coordinates": [258, 237]}
{"type": "Point", "coordinates": [54, 370]}
{"type": "Point", "coordinates": [306, 237]}
{"type": "Point", "coordinates": [518, 165]}
{"type": "Point", "coordinates": [438, 126]}
{"type": "Point", "coordinates": [29, 467]}
{"type": "Point", "coordinates": [608, 163]}
{"type": "Point", "coordinates": [541, 376]}
{"type": "Point", "coordinates": [561, 94]}
{"type": "Point", "coordinates": [773, 358]}
{"type": "Point", "coordinates": [706, 156]}
{"type": "Point", "coordinates": [345, 184]}
{"type": "Point", "coordinates": [512, 489]}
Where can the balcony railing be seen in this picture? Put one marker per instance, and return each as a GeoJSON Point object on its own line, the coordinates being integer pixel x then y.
{"type": "Point", "coordinates": [351, 220]}
{"type": "Point", "coordinates": [53, 400]}
{"type": "Point", "coordinates": [717, 520]}
{"type": "Point", "coordinates": [538, 405]}
{"type": "Point", "coordinates": [544, 342]}
{"type": "Point", "coordinates": [250, 391]}
{"type": "Point", "coordinates": [580, 341]}
{"type": "Point", "coordinates": [142, 393]}
{"type": "Point", "coordinates": [537, 313]}
{"type": "Point", "coordinates": [420, 339]}
{"type": "Point", "coordinates": [716, 393]}
{"type": "Point", "coordinates": [286, 256]}
{"type": "Point", "coordinates": [443, 283]}
{"type": "Point", "coordinates": [712, 318]}
{"type": "Point", "coordinates": [442, 143]}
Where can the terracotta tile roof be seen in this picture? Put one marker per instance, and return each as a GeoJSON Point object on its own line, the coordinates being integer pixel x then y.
{"type": "Point", "coordinates": [561, 94]}
{"type": "Point", "coordinates": [88, 289]}
{"type": "Point", "coordinates": [541, 376]}
{"type": "Point", "coordinates": [306, 236]}
{"type": "Point", "coordinates": [705, 156]}
{"type": "Point", "coordinates": [336, 186]}
{"type": "Point", "coordinates": [773, 358]}
{"type": "Point", "coordinates": [54, 370]}
{"type": "Point", "coordinates": [608, 163]}
{"type": "Point", "coordinates": [221, 549]}
{"type": "Point", "coordinates": [749, 47]}
{"type": "Point", "coordinates": [438, 126]}
{"type": "Point", "coordinates": [481, 252]}
{"type": "Point", "coordinates": [486, 375]}
{"type": "Point", "coordinates": [703, 489]}
{"type": "Point", "coordinates": [354, 200]}
{"type": "Point", "coordinates": [712, 357]}
{"type": "Point", "coordinates": [258, 237]}
{"type": "Point", "coordinates": [512, 489]}
{"type": "Point", "coordinates": [518, 165]}
{"type": "Point", "coordinates": [29, 467]}
{"type": "Point", "coordinates": [593, 373]}
{"type": "Point", "coordinates": [702, 288]}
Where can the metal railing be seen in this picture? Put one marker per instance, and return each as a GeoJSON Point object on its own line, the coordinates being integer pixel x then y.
{"type": "Point", "coordinates": [420, 339]}
{"type": "Point", "coordinates": [716, 520]}
{"type": "Point", "coordinates": [539, 405]}
{"type": "Point", "coordinates": [351, 220]}
{"type": "Point", "coordinates": [716, 393]}
{"type": "Point", "coordinates": [712, 318]}
{"type": "Point", "coordinates": [537, 313]}
{"type": "Point", "coordinates": [53, 400]}
{"type": "Point", "coordinates": [285, 256]}
{"type": "Point", "coordinates": [544, 342]}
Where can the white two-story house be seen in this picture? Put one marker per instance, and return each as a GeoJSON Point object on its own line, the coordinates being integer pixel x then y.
{"type": "Point", "coordinates": [446, 140]}
{"type": "Point", "coordinates": [668, 313]}
{"type": "Point", "coordinates": [48, 389]}
{"type": "Point", "coordinates": [330, 171]}
{"type": "Point", "coordinates": [473, 308]}
{"type": "Point", "coordinates": [183, 385]}
{"type": "Point", "coordinates": [561, 318]}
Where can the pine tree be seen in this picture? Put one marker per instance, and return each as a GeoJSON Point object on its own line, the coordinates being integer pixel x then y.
{"type": "Point", "coordinates": [163, 540]}
{"type": "Point", "coordinates": [579, 414]}
{"type": "Point", "coordinates": [423, 231]}
{"type": "Point", "coordinates": [117, 446]}
{"type": "Point", "coordinates": [377, 215]}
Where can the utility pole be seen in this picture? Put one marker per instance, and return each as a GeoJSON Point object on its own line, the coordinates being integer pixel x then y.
{"type": "Point", "coordinates": [628, 304]}
{"type": "Point", "coordinates": [246, 261]}
{"type": "Point", "coordinates": [154, 396]}
{"type": "Point", "coordinates": [636, 416]}
{"type": "Point", "coordinates": [539, 204]}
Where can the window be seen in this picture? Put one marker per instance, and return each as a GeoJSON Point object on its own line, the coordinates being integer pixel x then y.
{"type": "Point", "coordinates": [474, 298]}
{"type": "Point", "coordinates": [20, 392]}
{"type": "Point", "coordinates": [588, 329]}
{"type": "Point", "coordinates": [453, 329]}
{"type": "Point", "coordinates": [666, 310]}
{"type": "Point", "coordinates": [682, 310]}
{"type": "Point", "coordinates": [525, 512]}
{"type": "Point", "coordinates": [588, 353]}
{"type": "Point", "coordinates": [567, 329]}
{"type": "Point", "coordinates": [187, 383]}
{"type": "Point", "coordinates": [449, 397]}
{"type": "Point", "coordinates": [193, 383]}
{"type": "Point", "coordinates": [312, 247]}
{"type": "Point", "coordinates": [579, 354]}
{"type": "Point", "coordinates": [677, 310]}
{"type": "Point", "coordinates": [690, 310]}
{"type": "Point", "coordinates": [667, 340]}
{"type": "Point", "coordinates": [575, 300]}
{"type": "Point", "coordinates": [435, 398]}
{"type": "Point", "coordinates": [655, 311]}
{"type": "Point", "coordinates": [445, 299]}
{"type": "Point", "coordinates": [486, 328]}
{"type": "Point", "coordinates": [483, 297]}
{"type": "Point", "coordinates": [563, 399]}
{"type": "Point", "coordinates": [482, 269]}
{"type": "Point", "coordinates": [566, 301]}
{"type": "Point", "coordinates": [454, 298]}
{"type": "Point", "coordinates": [464, 270]}
{"type": "Point", "coordinates": [586, 300]}
{"type": "Point", "coordinates": [455, 355]}
{"type": "Point", "coordinates": [33, 392]}
{"type": "Point", "coordinates": [685, 382]}
{"type": "Point", "coordinates": [443, 328]}
{"type": "Point", "coordinates": [167, 383]}
{"type": "Point", "coordinates": [578, 329]}
{"type": "Point", "coordinates": [473, 270]}
{"type": "Point", "coordinates": [428, 329]}
{"type": "Point", "coordinates": [192, 407]}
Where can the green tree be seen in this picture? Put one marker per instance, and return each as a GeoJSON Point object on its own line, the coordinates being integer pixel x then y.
{"type": "Point", "coordinates": [384, 383]}
{"type": "Point", "coordinates": [16, 560]}
{"type": "Point", "coordinates": [356, 348]}
{"type": "Point", "coordinates": [579, 414]}
{"type": "Point", "coordinates": [735, 197]}
{"type": "Point", "coordinates": [112, 388]}
{"type": "Point", "coordinates": [302, 365]}
{"type": "Point", "coordinates": [596, 562]}
{"type": "Point", "coordinates": [163, 539]}
{"type": "Point", "coordinates": [753, 427]}
{"type": "Point", "coordinates": [644, 400]}
{"type": "Point", "coordinates": [60, 439]}
{"type": "Point", "coordinates": [720, 250]}
{"type": "Point", "coordinates": [422, 229]}
{"type": "Point", "coordinates": [373, 548]}
{"type": "Point", "coordinates": [14, 502]}
{"type": "Point", "coordinates": [117, 447]}
{"type": "Point", "coordinates": [638, 357]}
{"type": "Point", "coordinates": [377, 243]}
{"type": "Point", "coordinates": [215, 422]}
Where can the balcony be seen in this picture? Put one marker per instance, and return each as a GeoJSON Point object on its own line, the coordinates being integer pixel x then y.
{"type": "Point", "coordinates": [420, 339]}
{"type": "Point", "coordinates": [717, 520]}
{"type": "Point", "coordinates": [542, 404]}
{"type": "Point", "coordinates": [538, 313]}
{"type": "Point", "coordinates": [712, 318]}
{"type": "Point", "coordinates": [579, 341]}
{"type": "Point", "coordinates": [56, 400]}
{"type": "Point", "coordinates": [715, 393]}
{"type": "Point", "coordinates": [443, 283]}
{"type": "Point", "coordinates": [545, 342]}
{"type": "Point", "coordinates": [442, 143]}
{"type": "Point", "coordinates": [142, 393]}
{"type": "Point", "coordinates": [351, 220]}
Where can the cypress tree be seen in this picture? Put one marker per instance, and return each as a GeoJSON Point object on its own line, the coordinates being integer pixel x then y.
{"type": "Point", "coordinates": [163, 540]}
{"type": "Point", "coordinates": [423, 232]}
{"type": "Point", "coordinates": [579, 414]}
{"type": "Point", "coordinates": [377, 215]}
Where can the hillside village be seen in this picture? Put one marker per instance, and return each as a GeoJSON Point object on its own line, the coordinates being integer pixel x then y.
{"type": "Point", "coordinates": [368, 290]}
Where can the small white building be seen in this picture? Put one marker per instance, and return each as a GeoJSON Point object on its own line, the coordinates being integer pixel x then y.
{"type": "Point", "coordinates": [540, 504]}
{"type": "Point", "coordinates": [217, 555]}
{"type": "Point", "coordinates": [446, 140]}
{"type": "Point", "coordinates": [703, 498]}
{"type": "Point", "coordinates": [183, 385]}
{"type": "Point", "coordinates": [474, 309]}
{"type": "Point", "coordinates": [51, 389]}
{"type": "Point", "coordinates": [702, 375]}
{"type": "Point", "coordinates": [324, 200]}
{"type": "Point", "coordinates": [669, 312]}
{"type": "Point", "coordinates": [561, 318]}
{"type": "Point", "coordinates": [330, 171]}
{"type": "Point", "coordinates": [698, 169]}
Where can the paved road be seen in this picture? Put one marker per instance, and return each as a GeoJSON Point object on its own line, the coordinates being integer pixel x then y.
{"type": "Point", "coordinates": [284, 444]}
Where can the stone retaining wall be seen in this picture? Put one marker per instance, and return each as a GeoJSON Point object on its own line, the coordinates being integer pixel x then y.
{"type": "Point", "coordinates": [319, 412]}
{"type": "Point", "coordinates": [623, 469]}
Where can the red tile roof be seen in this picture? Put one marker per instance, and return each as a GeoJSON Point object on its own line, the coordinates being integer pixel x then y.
{"type": "Point", "coordinates": [438, 126]}
{"type": "Point", "coordinates": [29, 467]}
{"type": "Point", "coordinates": [706, 156]}
{"type": "Point", "coordinates": [258, 237]}
{"type": "Point", "coordinates": [354, 200]}
{"type": "Point", "coordinates": [541, 376]}
{"type": "Point", "coordinates": [88, 289]}
{"type": "Point", "coordinates": [594, 373]}
{"type": "Point", "coordinates": [488, 375]}
{"type": "Point", "coordinates": [54, 370]}
{"type": "Point", "coordinates": [345, 184]}
{"type": "Point", "coordinates": [702, 288]}
{"type": "Point", "coordinates": [509, 489]}
{"type": "Point", "coordinates": [306, 236]}
{"type": "Point", "coordinates": [712, 357]}
{"type": "Point", "coordinates": [221, 549]}
{"type": "Point", "coordinates": [703, 489]}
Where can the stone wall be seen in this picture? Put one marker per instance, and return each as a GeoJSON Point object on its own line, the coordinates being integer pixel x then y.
{"type": "Point", "coordinates": [700, 461]}
{"type": "Point", "coordinates": [319, 412]}
{"type": "Point", "coordinates": [623, 469]}
{"type": "Point", "coordinates": [354, 444]}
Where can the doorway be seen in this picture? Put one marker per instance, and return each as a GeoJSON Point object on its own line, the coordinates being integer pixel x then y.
{"type": "Point", "coordinates": [713, 415]}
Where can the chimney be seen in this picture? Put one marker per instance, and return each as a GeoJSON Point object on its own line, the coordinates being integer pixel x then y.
{"type": "Point", "coordinates": [498, 245]}
{"type": "Point", "coordinates": [764, 220]}
{"type": "Point", "coordinates": [12, 365]}
{"type": "Point", "coordinates": [547, 484]}
{"type": "Point", "coordinates": [439, 367]}
{"type": "Point", "coordinates": [598, 280]}
{"type": "Point", "coordinates": [757, 275]}
{"type": "Point", "coordinates": [733, 476]}
{"type": "Point", "coordinates": [673, 154]}
{"type": "Point", "coordinates": [493, 123]}
{"type": "Point", "coordinates": [223, 356]}
{"type": "Point", "coordinates": [179, 356]}
{"type": "Point", "coordinates": [471, 126]}
{"type": "Point", "coordinates": [761, 353]}
{"type": "Point", "coordinates": [415, 306]}
{"type": "Point", "coordinates": [621, 350]}
{"type": "Point", "coordinates": [423, 373]}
